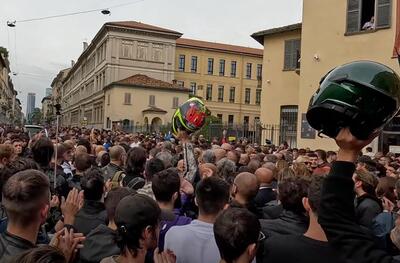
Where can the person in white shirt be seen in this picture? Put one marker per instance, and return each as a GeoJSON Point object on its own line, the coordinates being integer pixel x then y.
{"type": "Point", "coordinates": [195, 243]}
{"type": "Point", "coordinates": [368, 152]}
{"type": "Point", "coordinates": [370, 25]}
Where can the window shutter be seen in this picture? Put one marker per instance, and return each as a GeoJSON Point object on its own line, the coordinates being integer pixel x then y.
{"type": "Point", "coordinates": [295, 53]}
{"type": "Point", "coordinates": [384, 11]}
{"type": "Point", "coordinates": [353, 16]}
{"type": "Point", "coordinates": [288, 54]}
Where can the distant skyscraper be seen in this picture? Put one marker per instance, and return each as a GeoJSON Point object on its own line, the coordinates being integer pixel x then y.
{"type": "Point", "coordinates": [48, 92]}
{"type": "Point", "coordinates": [30, 103]}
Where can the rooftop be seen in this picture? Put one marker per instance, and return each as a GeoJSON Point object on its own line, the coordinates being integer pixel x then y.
{"type": "Point", "coordinates": [146, 81]}
{"type": "Point", "coordinates": [46, 98]}
{"type": "Point", "coordinates": [142, 26]}
{"type": "Point", "coordinates": [192, 43]}
{"type": "Point", "coordinates": [154, 109]}
{"type": "Point", "coordinates": [259, 36]}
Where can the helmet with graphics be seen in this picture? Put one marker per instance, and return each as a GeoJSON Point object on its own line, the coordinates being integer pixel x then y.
{"type": "Point", "coordinates": [190, 116]}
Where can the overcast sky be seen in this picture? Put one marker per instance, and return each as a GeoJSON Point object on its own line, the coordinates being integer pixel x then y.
{"type": "Point", "coordinates": [40, 49]}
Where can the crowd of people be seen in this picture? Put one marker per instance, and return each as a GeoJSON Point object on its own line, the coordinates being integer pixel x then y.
{"type": "Point", "coordinates": [110, 196]}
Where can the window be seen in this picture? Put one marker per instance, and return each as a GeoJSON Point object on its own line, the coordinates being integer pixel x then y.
{"type": "Point", "coordinates": [210, 66]}
{"type": "Point", "coordinates": [108, 123]}
{"type": "Point", "coordinates": [363, 15]}
{"type": "Point", "coordinates": [248, 70]}
{"type": "Point", "coordinates": [288, 125]}
{"type": "Point", "coordinates": [220, 93]}
{"type": "Point", "coordinates": [180, 83]}
{"type": "Point", "coordinates": [209, 92]}
{"type": "Point", "coordinates": [247, 96]}
{"type": "Point", "coordinates": [233, 69]}
{"type": "Point", "coordinates": [152, 100]}
{"type": "Point", "coordinates": [230, 119]}
{"type": "Point", "coordinates": [127, 99]}
{"type": "Point", "coordinates": [193, 88]}
{"type": "Point", "coordinates": [126, 48]}
{"type": "Point", "coordinates": [222, 67]}
{"type": "Point", "coordinates": [292, 54]}
{"type": "Point", "coordinates": [108, 99]}
{"type": "Point", "coordinates": [142, 50]}
{"type": "Point", "coordinates": [259, 71]}
{"type": "Point", "coordinates": [232, 95]}
{"type": "Point", "coordinates": [181, 63]}
{"type": "Point", "coordinates": [219, 116]}
{"type": "Point", "coordinates": [246, 120]}
{"type": "Point", "coordinates": [157, 52]}
{"type": "Point", "coordinates": [193, 65]}
{"type": "Point", "coordinates": [175, 102]}
{"type": "Point", "coordinates": [258, 96]}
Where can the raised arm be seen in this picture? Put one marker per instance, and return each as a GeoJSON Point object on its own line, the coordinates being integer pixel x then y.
{"type": "Point", "coordinates": [337, 215]}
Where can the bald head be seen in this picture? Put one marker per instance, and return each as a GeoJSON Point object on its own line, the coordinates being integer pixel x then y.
{"type": "Point", "coordinates": [244, 159]}
{"type": "Point", "coordinates": [116, 153]}
{"type": "Point", "coordinates": [219, 154]}
{"type": "Point", "coordinates": [265, 176]}
{"type": "Point", "coordinates": [247, 186]}
{"type": "Point", "coordinates": [226, 146]}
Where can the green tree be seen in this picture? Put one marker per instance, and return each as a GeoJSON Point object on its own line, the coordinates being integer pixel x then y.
{"type": "Point", "coordinates": [211, 121]}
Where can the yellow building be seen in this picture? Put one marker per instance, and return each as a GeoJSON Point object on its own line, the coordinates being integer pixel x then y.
{"type": "Point", "coordinates": [94, 92]}
{"type": "Point", "coordinates": [142, 101]}
{"type": "Point", "coordinates": [227, 77]}
{"type": "Point", "coordinates": [328, 39]}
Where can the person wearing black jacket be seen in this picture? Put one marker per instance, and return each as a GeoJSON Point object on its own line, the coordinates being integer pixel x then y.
{"type": "Point", "coordinates": [337, 213]}
{"type": "Point", "coordinates": [367, 204]}
{"type": "Point", "coordinates": [100, 242]}
{"type": "Point", "coordinates": [292, 220]}
{"type": "Point", "coordinates": [93, 213]}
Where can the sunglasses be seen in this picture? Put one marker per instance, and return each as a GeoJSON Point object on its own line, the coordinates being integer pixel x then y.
{"type": "Point", "coordinates": [307, 163]}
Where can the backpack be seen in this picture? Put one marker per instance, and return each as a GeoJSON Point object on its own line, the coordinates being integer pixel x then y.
{"type": "Point", "coordinates": [117, 179]}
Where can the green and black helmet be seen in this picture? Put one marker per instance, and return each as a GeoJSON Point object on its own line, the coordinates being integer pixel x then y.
{"type": "Point", "coordinates": [361, 95]}
{"type": "Point", "coordinates": [190, 116]}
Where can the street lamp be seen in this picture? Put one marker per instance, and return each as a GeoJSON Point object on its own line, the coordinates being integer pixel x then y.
{"type": "Point", "coordinates": [106, 12]}
{"type": "Point", "coordinates": [11, 23]}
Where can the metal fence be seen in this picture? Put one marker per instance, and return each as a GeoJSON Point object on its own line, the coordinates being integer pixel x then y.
{"type": "Point", "coordinates": [146, 129]}
{"type": "Point", "coordinates": [255, 133]}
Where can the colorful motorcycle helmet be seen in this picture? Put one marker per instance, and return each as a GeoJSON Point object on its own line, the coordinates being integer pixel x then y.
{"type": "Point", "coordinates": [361, 95]}
{"type": "Point", "coordinates": [190, 116]}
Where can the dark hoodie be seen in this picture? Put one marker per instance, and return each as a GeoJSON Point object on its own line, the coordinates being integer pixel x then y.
{"type": "Point", "coordinates": [100, 243]}
{"type": "Point", "coordinates": [367, 207]}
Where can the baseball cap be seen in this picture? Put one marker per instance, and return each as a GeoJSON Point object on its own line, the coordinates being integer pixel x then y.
{"type": "Point", "coordinates": [135, 212]}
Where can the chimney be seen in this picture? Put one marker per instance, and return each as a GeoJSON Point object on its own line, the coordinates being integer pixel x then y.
{"type": "Point", "coordinates": [85, 45]}
{"type": "Point", "coordinates": [72, 63]}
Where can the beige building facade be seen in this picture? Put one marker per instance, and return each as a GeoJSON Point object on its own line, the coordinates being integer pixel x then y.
{"type": "Point", "coordinates": [91, 94]}
{"type": "Point", "coordinates": [226, 77]}
{"type": "Point", "coordinates": [324, 41]}
{"type": "Point", "coordinates": [118, 51]}
{"type": "Point", "coordinates": [10, 106]}
{"type": "Point", "coordinates": [47, 109]}
{"type": "Point", "coordinates": [142, 102]}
